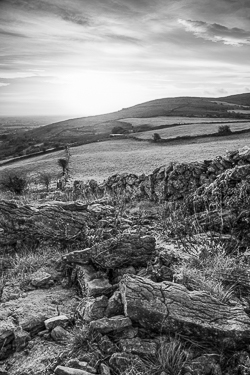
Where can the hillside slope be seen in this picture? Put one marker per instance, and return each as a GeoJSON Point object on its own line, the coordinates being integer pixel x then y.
{"type": "Point", "coordinates": [93, 127]}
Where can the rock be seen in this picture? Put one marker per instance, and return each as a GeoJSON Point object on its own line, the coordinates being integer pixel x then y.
{"type": "Point", "coordinates": [129, 249]}
{"type": "Point", "coordinates": [90, 284]}
{"type": "Point", "coordinates": [3, 371]}
{"type": "Point", "coordinates": [59, 334]}
{"type": "Point", "coordinates": [203, 365]}
{"type": "Point", "coordinates": [6, 338]}
{"type": "Point", "coordinates": [61, 320]}
{"type": "Point", "coordinates": [41, 279]}
{"type": "Point", "coordinates": [75, 363]}
{"type": "Point", "coordinates": [122, 361]}
{"type": "Point", "coordinates": [94, 308]}
{"type": "Point", "coordinates": [138, 346]}
{"type": "Point", "coordinates": [104, 369]}
{"type": "Point", "coordinates": [62, 370]}
{"type": "Point", "coordinates": [114, 324]}
{"type": "Point", "coordinates": [21, 339]}
{"type": "Point", "coordinates": [106, 346]}
{"type": "Point", "coordinates": [169, 307]}
{"type": "Point", "coordinates": [115, 306]}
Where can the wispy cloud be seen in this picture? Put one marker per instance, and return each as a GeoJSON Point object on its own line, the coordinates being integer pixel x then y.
{"type": "Point", "coordinates": [217, 33]}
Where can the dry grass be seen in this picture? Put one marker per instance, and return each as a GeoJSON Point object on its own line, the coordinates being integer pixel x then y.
{"type": "Point", "coordinates": [101, 160]}
{"type": "Point", "coordinates": [190, 130]}
{"type": "Point", "coordinates": [167, 120]}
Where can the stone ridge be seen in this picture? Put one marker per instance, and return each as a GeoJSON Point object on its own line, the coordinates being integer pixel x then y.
{"type": "Point", "coordinates": [170, 182]}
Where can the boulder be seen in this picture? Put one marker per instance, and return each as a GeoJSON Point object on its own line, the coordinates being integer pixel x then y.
{"type": "Point", "coordinates": [95, 308]}
{"type": "Point", "coordinates": [170, 307]}
{"type": "Point", "coordinates": [41, 279]}
{"type": "Point", "coordinates": [127, 250]}
{"type": "Point", "coordinates": [59, 334]}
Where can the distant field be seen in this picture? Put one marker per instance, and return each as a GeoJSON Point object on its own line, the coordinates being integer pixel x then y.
{"type": "Point", "coordinates": [190, 130]}
{"type": "Point", "coordinates": [167, 120]}
{"type": "Point", "coordinates": [102, 159]}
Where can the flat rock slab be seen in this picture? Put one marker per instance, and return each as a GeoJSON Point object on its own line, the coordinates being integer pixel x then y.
{"type": "Point", "coordinates": [138, 346]}
{"type": "Point", "coordinates": [55, 321]}
{"type": "Point", "coordinates": [114, 324]}
{"type": "Point", "coordinates": [169, 307]}
{"type": "Point", "coordinates": [129, 249]}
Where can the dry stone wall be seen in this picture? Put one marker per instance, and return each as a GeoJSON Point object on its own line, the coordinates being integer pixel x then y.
{"type": "Point", "coordinates": [170, 182]}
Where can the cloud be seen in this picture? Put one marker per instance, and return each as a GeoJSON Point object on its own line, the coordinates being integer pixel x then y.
{"type": "Point", "coordinates": [217, 33]}
{"type": "Point", "coordinates": [12, 34]}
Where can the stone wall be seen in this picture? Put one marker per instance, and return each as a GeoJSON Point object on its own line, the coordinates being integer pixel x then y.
{"type": "Point", "coordinates": [171, 182]}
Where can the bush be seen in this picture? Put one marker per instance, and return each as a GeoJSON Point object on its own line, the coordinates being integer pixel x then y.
{"type": "Point", "coordinates": [224, 130]}
{"type": "Point", "coordinates": [14, 182]}
{"type": "Point", "coordinates": [156, 137]}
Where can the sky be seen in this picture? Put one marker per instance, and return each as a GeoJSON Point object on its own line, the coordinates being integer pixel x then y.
{"type": "Point", "coordinates": [87, 57]}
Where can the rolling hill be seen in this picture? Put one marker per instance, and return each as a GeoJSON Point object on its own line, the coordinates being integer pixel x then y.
{"type": "Point", "coordinates": [96, 127]}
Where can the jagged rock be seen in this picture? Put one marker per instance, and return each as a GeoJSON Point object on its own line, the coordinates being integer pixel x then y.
{"type": "Point", "coordinates": [122, 361]}
{"type": "Point", "coordinates": [75, 363]}
{"type": "Point", "coordinates": [6, 338]}
{"type": "Point", "coordinates": [114, 324]}
{"type": "Point", "coordinates": [203, 365]}
{"type": "Point", "coordinates": [33, 323]}
{"type": "Point", "coordinates": [129, 249]}
{"type": "Point", "coordinates": [115, 306]}
{"type": "Point", "coordinates": [59, 334]}
{"type": "Point", "coordinates": [169, 307]}
{"type": "Point", "coordinates": [106, 346]}
{"type": "Point", "coordinates": [91, 284]}
{"type": "Point", "coordinates": [62, 370]}
{"type": "Point", "coordinates": [60, 320]}
{"type": "Point", "coordinates": [138, 346]}
{"type": "Point", "coordinates": [41, 279]}
{"type": "Point", "coordinates": [21, 339]}
{"type": "Point", "coordinates": [94, 308]}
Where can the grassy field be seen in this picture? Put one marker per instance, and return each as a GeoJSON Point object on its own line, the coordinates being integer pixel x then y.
{"type": "Point", "coordinates": [102, 159]}
{"type": "Point", "coordinates": [190, 130]}
{"type": "Point", "coordinates": [167, 120]}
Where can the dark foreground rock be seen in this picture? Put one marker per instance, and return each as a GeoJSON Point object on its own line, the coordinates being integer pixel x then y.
{"type": "Point", "coordinates": [168, 307]}
{"type": "Point", "coordinates": [125, 250]}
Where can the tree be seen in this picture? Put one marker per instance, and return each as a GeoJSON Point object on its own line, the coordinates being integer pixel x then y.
{"type": "Point", "coordinates": [224, 130]}
{"type": "Point", "coordinates": [45, 179]}
{"type": "Point", "coordinates": [64, 162]}
{"type": "Point", "coordinates": [156, 137]}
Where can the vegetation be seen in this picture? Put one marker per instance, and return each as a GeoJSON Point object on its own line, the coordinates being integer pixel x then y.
{"type": "Point", "coordinates": [224, 130]}
{"type": "Point", "coordinates": [14, 182]}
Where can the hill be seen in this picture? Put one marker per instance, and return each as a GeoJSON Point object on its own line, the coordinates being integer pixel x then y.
{"type": "Point", "coordinates": [95, 127]}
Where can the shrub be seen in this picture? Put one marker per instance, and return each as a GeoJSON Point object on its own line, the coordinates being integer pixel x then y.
{"type": "Point", "coordinates": [224, 130]}
{"type": "Point", "coordinates": [15, 182]}
{"type": "Point", "coordinates": [156, 137]}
